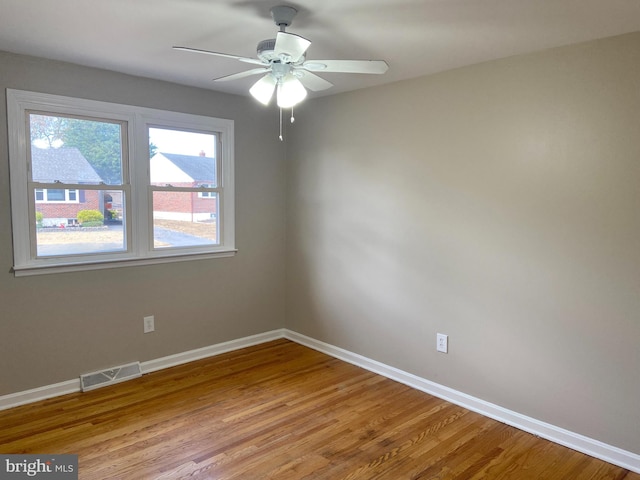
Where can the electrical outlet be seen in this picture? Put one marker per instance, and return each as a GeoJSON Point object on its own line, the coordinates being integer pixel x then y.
{"type": "Point", "coordinates": [149, 324]}
{"type": "Point", "coordinates": [442, 342]}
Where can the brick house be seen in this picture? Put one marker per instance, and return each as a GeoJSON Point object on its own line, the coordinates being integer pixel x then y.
{"type": "Point", "coordinates": [183, 171]}
{"type": "Point", "coordinates": [60, 207]}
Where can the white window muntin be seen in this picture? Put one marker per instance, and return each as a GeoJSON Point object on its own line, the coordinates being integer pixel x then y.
{"type": "Point", "coordinates": [135, 169]}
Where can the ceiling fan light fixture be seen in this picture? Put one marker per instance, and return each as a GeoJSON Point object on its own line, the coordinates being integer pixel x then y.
{"type": "Point", "coordinates": [290, 91]}
{"type": "Point", "coordinates": [263, 89]}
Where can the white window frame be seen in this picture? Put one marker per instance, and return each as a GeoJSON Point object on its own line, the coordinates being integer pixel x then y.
{"type": "Point", "coordinates": [45, 196]}
{"type": "Point", "coordinates": [138, 208]}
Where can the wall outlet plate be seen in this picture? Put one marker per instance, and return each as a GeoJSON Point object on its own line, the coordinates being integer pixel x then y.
{"type": "Point", "coordinates": [149, 324]}
{"type": "Point", "coordinates": [442, 343]}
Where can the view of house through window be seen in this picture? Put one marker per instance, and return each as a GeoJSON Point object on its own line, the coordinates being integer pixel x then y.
{"type": "Point", "coordinates": [184, 183]}
{"type": "Point", "coordinates": [88, 215]}
{"type": "Point", "coordinates": [76, 185]}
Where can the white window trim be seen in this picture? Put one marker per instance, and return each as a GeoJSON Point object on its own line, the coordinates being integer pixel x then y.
{"type": "Point", "coordinates": [138, 208]}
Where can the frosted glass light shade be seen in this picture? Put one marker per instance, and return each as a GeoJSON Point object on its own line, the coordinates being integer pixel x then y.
{"type": "Point", "coordinates": [290, 92]}
{"type": "Point", "coordinates": [263, 89]}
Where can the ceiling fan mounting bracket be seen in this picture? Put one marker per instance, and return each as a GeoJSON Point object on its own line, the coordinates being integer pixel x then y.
{"type": "Point", "coordinates": [283, 16]}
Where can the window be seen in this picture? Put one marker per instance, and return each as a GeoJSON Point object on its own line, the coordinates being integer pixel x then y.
{"type": "Point", "coordinates": [206, 194]}
{"type": "Point", "coordinates": [56, 195]}
{"type": "Point", "coordinates": [137, 185]}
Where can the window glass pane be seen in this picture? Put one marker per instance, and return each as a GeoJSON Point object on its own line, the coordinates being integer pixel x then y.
{"type": "Point", "coordinates": [182, 158]}
{"type": "Point", "coordinates": [39, 195]}
{"type": "Point", "coordinates": [183, 219]}
{"type": "Point", "coordinates": [75, 150]}
{"type": "Point", "coordinates": [73, 195]}
{"type": "Point", "coordinates": [55, 195]}
{"type": "Point", "coordinates": [67, 230]}
{"type": "Point", "coordinates": [113, 206]}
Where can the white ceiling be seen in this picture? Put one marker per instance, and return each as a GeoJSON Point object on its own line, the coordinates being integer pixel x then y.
{"type": "Point", "coordinates": [415, 37]}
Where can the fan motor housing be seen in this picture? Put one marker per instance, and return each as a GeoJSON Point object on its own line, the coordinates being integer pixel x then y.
{"type": "Point", "coordinates": [266, 50]}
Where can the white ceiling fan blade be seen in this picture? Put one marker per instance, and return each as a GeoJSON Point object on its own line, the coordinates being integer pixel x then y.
{"type": "Point", "coordinates": [236, 76]}
{"type": "Point", "coordinates": [218, 54]}
{"type": "Point", "coordinates": [346, 66]}
{"type": "Point", "coordinates": [289, 47]}
{"type": "Point", "coordinates": [263, 89]}
{"type": "Point", "coordinates": [312, 81]}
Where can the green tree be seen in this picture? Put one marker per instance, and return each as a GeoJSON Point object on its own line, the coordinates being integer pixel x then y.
{"type": "Point", "coordinates": [153, 149]}
{"type": "Point", "coordinates": [47, 128]}
{"type": "Point", "coordinates": [100, 143]}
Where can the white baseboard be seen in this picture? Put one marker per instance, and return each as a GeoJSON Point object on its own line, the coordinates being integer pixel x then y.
{"type": "Point", "coordinates": [575, 441]}
{"type": "Point", "coordinates": [210, 351]}
{"type": "Point", "coordinates": [580, 443]}
{"type": "Point", "coordinates": [72, 386]}
{"type": "Point", "coordinates": [40, 393]}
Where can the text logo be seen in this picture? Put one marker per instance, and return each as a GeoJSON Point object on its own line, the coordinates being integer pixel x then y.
{"type": "Point", "coordinates": [50, 467]}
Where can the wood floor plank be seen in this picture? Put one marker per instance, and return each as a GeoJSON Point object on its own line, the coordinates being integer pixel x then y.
{"type": "Point", "coordinates": [282, 411]}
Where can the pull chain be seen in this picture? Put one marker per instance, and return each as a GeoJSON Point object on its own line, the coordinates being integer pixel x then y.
{"type": "Point", "coordinates": [293, 119]}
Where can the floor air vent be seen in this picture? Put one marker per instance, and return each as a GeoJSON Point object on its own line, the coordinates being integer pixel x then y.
{"type": "Point", "coordinates": [90, 381]}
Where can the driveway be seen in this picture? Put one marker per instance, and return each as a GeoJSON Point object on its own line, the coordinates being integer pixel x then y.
{"type": "Point", "coordinates": [71, 241]}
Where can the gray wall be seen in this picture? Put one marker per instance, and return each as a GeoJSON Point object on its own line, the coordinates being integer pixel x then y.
{"type": "Point", "coordinates": [55, 327]}
{"type": "Point", "coordinates": [499, 204]}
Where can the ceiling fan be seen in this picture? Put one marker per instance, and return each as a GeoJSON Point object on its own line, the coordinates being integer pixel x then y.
{"type": "Point", "coordinates": [282, 61]}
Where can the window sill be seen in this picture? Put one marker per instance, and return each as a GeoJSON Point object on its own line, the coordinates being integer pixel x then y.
{"type": "Point", "coordinates": [29, 270]}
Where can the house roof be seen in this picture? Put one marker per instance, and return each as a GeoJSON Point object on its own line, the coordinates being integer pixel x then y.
{"type": "Point", "coordinates": [200, 169]}
{"type": "Point", "coordinates": [65, 164]}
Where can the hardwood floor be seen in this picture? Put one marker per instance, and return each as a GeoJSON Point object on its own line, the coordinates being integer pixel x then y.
{"type": "Point", "coordinates": [282, 411]}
